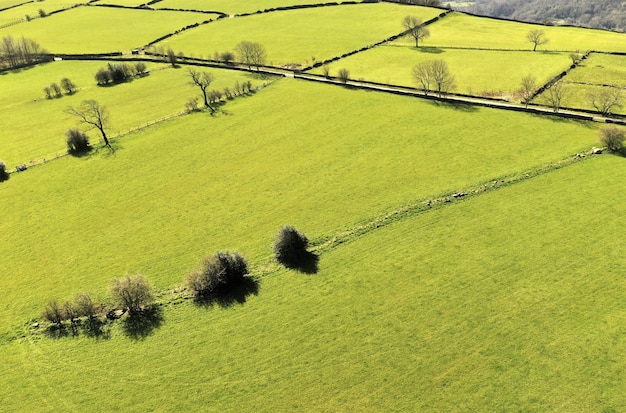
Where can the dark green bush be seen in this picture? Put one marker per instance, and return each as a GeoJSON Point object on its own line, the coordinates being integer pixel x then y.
{"type": "Point", "coordinates": [612, 138]}
{"type": "Point", "coordinates": [4, 174]}
{"type": "Point", "coordinates": [290, 246]}
{"type": "Point", "coordinates": [77, 141]}
{"type": "Point", "coordinates": [218, 274]}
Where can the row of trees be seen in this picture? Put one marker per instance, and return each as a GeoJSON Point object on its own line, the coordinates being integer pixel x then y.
{"type": "Point", "coordinates": [119, 72]}
{"type": "Point", "coordinates": [434, 75]}
{"type": "Point", "coordinates": [18, 52]}
{"type": "Point", "coordinates": [217, 276]}
{"type": "Point", "coordinates": [54, 90]}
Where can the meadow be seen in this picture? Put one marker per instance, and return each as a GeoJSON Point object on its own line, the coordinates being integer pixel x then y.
{"type": "Point", "coordinates": [31, 10]}
{"type": "Point", "coordinates": [34, 127]}
{"type": "Point", "coordinates": [295, 37]}
{"type": "Point", "coordinates": [462, 30]}
{"type": "Point", "coordinates": [201, 183]}
{"type": "Point", "coordinates": [487, 304]}
{"type": "Point", "coordinates": [508, 298]}
{"type": "Point", "coordinates": [393, 64]}
{"type": "Point", "coordinates": [102, 29]}
{"type": "Point", "coordinates": [10, 3]}
{"type": "Point", "coordinates": [600, 69]}
{"type": "Point", "coordinates": [577, 96]}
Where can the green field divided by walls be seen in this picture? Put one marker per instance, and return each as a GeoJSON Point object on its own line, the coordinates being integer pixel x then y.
{"type": "Point", "coordinates": [102, 29]}
{"type": "Point", "coordinates": [175, 192]}
{"type": "Point", "coordinates": [34, 127]}
{"type": "Point", "coordinates": [462, 30]}
{"type": "Point", "coordinates": [501, 78]}
{"type": "Point", "coordinates": [297, 37]}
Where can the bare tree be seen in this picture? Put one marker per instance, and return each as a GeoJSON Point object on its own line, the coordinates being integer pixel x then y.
{"type": "Point", "coordinates": [529, 86]}
{"type": "Point", "coordinates": [90, 112]}
{"type": "Point", "coordinates": [203, 81]}
{"type": "Point", "coordinates": [252, 54]}
{"type": "Point", "coordinates": [444, 81]}
{"type": "Point", "coordinates": [606, 100]}
{"type": "Point", "coordinates": [433, 75]}
{"type": "Point", "coordinates": [555, 95]}
{"type": "Point", "coordinates": [133, 292]}
{"type": "Point", "coordinates": [68, 85]}
{"type": "Point", "coordinates": [415, 28]}
{"type": "Point", "coordinates": [537, 38]}
{"type": "Point", "coordinates": [343, 75]}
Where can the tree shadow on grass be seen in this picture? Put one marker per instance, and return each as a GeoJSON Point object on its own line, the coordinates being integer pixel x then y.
{"type": "Point", "coordinates": [138, 326]}
{"type": "Point", "coordinates": [305, 262]}
{"type": "Point", "coordinates": [237, 294]}
{"type": "Point", "coordinates": [461, 107]}
{"type": "Point", "coordinates": [96, 328]}
{"type": "Point", "coordinates": [431, 50]}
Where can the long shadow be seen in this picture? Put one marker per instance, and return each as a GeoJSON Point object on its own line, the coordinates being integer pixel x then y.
{"type": "Point", "coordinates": [305, 262]}
{"type": "Point", "coordinates": [461, 107]}
{"type": "Point", "coordinates": [432, 50]}
{"type": "Point", "coordinates": [138, 326]}
{"type": "Point", "coordinates": [237, 294]}
{"type": "Point", "coordinates": [81, 154]}
{"type": "Point", "coordinates": [56, 331]}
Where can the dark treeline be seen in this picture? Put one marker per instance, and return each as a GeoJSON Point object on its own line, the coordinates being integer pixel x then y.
{"type": "Point", "coordinates": [18, 52]}
{"type": "Point", "coordinates": [604, 14]}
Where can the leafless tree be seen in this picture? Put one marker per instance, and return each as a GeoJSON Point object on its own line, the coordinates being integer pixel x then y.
{"type": "Point", "coordinates": [343, 75]}
{"type": "Point", "coordinates": [415, 28]}
{"type": "Point", "coordinates": [529, 86]}
{"type": "Point", "coordinates": [434, 75]}
{"type": "Point", "coordinates": [606, 100]}
{"type": "Point", "coordinates": [537, 38]}
{"type": "Point", "coordinates": [555, 95]}
{"type": "Point", "coordinates": [203, 81]}
{"type": "Point", "coordinates": [252, 54]}
{"type": "Point", "coordinates": [90, 112]}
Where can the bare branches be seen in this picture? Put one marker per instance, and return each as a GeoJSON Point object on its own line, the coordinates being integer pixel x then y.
{"type": "Point", "coordinates": [537, 38]}
{"type": "Point", "coordinates": [415, 28]}
{"type": "Point", "coordinates": [90, 112]}
{"type": "Point", "coordinates": [203, 80]}
{"type": "Point", "coordinates": [606, 100]}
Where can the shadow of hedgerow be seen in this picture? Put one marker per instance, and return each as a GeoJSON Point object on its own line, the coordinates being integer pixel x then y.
{"type": "Point", "coordinates": [141, 324]}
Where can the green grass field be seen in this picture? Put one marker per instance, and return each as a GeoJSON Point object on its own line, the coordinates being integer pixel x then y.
{"type": "Point", "coordinates": [35, 126]}
{"type": "Point", "coordinates": [508, 299]}
{"type": "Point", "coordinates": [502, 77]}
{"type": "Point", "coordinates": [9, 3]}
{"type": "Point", "coordinates": [203, 183]}
{"type": "Point", "coordinates": [577, 96]}
{"type": "Point", "coordinates": [480, 306]}
{"type": "Point", "coordinates": [461, 30]}
{"type": "Point", "coordinates": [102, 29]}
{"type": "Point", "coordinates": [602, 69]}
{"type": "Point", "coordinates": [297, 36]}
{"type": "Point", "coordinates": [31, 9]}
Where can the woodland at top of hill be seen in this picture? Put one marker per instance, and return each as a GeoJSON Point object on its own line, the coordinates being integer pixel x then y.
{"type": "Point", "coordinates": [605, 14]}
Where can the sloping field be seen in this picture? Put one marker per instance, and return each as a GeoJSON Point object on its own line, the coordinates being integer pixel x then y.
{"type": "Point", "coordinates": [600, 69]}
{"type": "Point", "coordinates": [462, 30]}
{"type": "Point", "coordinates": [509, 301]}
{"type": "Point", "coordinates": [578, 96]}
{"type": "Point", "coordinates": [502, 76]}
{"type": "Point", "coordinates": [231, 6]}
{"type": "Point", "coordinates": [203, 183]}
{"type": "Point", "coordinates": [102, 29]}
{"type": "Point", "coordinates": [34, 126]}
{"type": "Point", "coordinates": [297, 35]}
{"type": "Point", "coordinates": [30, 9]}
{"type": "Point", "coordinates": [9, 3]}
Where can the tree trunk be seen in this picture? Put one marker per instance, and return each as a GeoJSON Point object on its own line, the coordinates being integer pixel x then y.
{"type": "Point", "coordinates": [104, 137]}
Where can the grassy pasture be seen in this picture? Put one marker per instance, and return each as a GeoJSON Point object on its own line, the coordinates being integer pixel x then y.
{"type": "Point", "coordinates": [33, 127]}
{"type": "Point", "coordinates": [602, 69]}
{"type": "Point", "coordinates": [202, 183]}
{"type": "Point", "coordinates": [231, 6]}
{"type": "Point", "coordinates": [501, 76]}
{"type": "Point", "coordinates": [127, 3]}
{"type": "Point", "coordinates": [509, 301]}
{"type": "Point", "coordinates": [577, 96]}
{"type": "Point", "coordinates": [31, 9]}
{"type": "Point", "coordinates": [299, 35]}
{"type": "Point", "coordinates": [462, 30]}
{"type": "Point", "coordinates": [90, 29]}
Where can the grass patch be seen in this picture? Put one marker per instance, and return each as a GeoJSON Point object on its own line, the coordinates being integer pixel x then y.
{"type": "Point", "coordinates": [30, 9]}
{"type": "Point", "coordinates": [201, 184]}
{"type": "Point", "coordinates": [90, 29]}
{"type": "Point", "coordinates": [603, 69]}
{"type": "Point", "coordinates": [462, 30]}
{"type": "Point", "coordinates": [298, 36]}
{"type": "Point", "coordinates": [34, 126]}
{"type": "Point", "coordinates": [502, 77]}
{"type": "Point", "coordinates": [577, 96]}
{"type": "Point", "coordinates": [474, 307]}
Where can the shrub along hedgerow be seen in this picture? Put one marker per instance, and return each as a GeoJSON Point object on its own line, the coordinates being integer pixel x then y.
{"type": "Point", "coordinates": [218, 274]}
